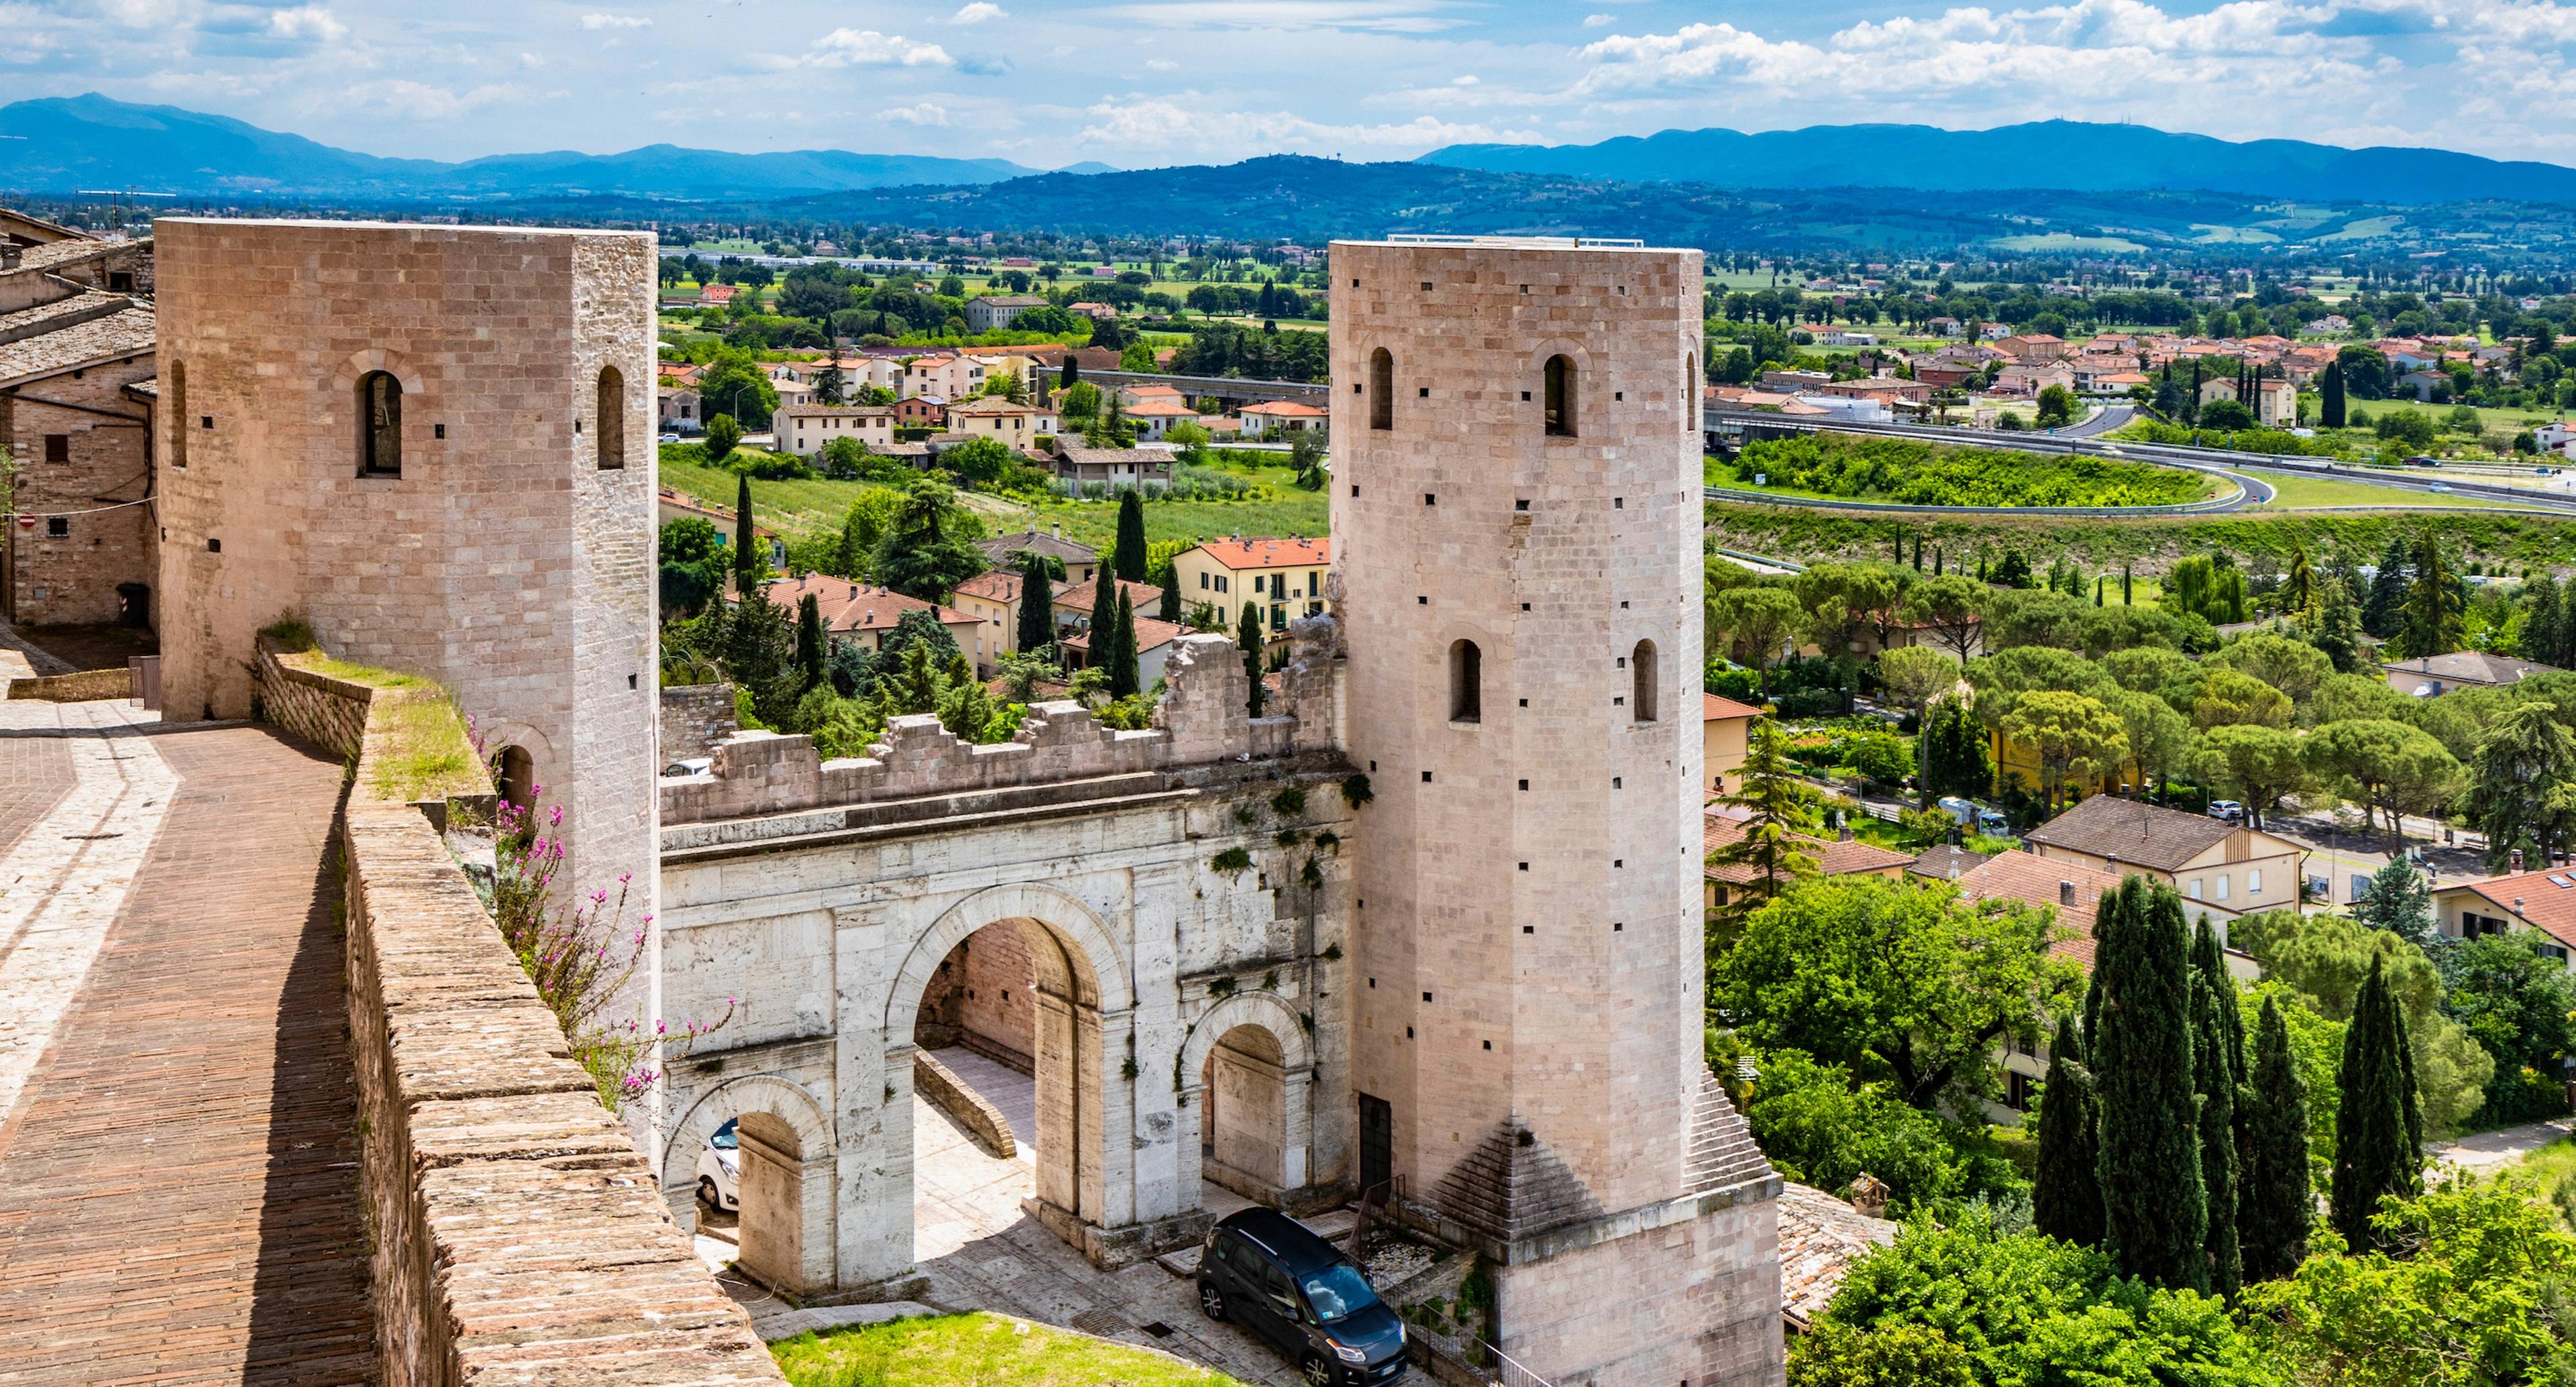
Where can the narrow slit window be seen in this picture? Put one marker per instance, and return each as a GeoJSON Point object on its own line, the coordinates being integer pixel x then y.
{"type": "Point", "coordinates": [178, 414]}
{"type": "Point", "coordinates": [1381, 389]}
{"type": "Point", "coordinates": [379, 425]}
{"type": "Point", "coordinates": [1641, 673]}
{"type": "Point", "coordinates": [611, 432]}
{"type": "Point", "coordinates": [1690, 391]}
{"type": "Point", "coordinates": [1466, 682]}
{"type": "Point", "coordinates": [1560, 397]}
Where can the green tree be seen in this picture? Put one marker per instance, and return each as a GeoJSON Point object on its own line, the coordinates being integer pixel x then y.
{"type": "Point", "coordinates": [2225, 698]}
{"type": "Point", "coordinates": [2546, 621]}
{"type": "Point", "coordinates": [1037, 606]}
{"type": "Point", "coordinates": [2387, 767]}
{"type": "Point", "coordinates": [733, 385]}
{"type": "Point", "coordinates": [2056, 406]}
{"type": "Point", "coordinates": [2434, 620]}
{"type": "Point", "coordinates": [1129, 552]}
{"type": "Point", "coordinates": [1758, 622]}
{"type": "Point", "coordinates": [2073, 737]}
{"type": "Point", "coordinates": [1780, 815]}
{"type": "Point", "coordinates": [2066, 1193]}
{"type": "Point", "coordinates": [978, 462]}
{"type": "Point", "coordinates": [1956, 760]}
{"type": "Point", "coordinates": [1951, 607]}
{"type": "Point", "coordinates": [1247, 634]}
{"type": "Point", "coordinates": [2379, 1133]}
{"type": "Point", "coordinates": [2256, 765]}
{"type": "Point", "coordinates": [812, 646]}
{"type": "Point", "coordinates": [2383, 605]}
{"type": "Point", "coordinates": [1897, 982]}
{"type": "Point", "coordinates": [2514, 1001]}
{"type": "Point", "coordinates": [2277, 1205]}
{"type": "Point", "coordinates": [2333, 626]}
{"type": "Point", "coordinates": [1835, 1354]}
{"type": "Point", "coordinates": [1121, 654]}
{"type": "Point", "coordinates": [2473, 1297]}
{"type": "Point", "coordinates": [2522, 787]}
{"type": "Point", "coordinates": [2155, 1207]}
{"type": "Point", "coordinates": [2013, 572]}
{"type": "Point", "coordinates": [926, 551]}
{"type": "Point", "coordinates": [748, 561]}
{"type": "Point", "coordinates": [723, 435]}
{"type": "Point", "coordinates": [2399, 901]}
{"type": "Point", "coordinates": [2295, 668]}
{"type": "Point", "coordinates": [2330, 402]}
{"type": "Point", "coordinates": [1911, 677]}
{"type": "Point", "coordinates": [2217, 1080]}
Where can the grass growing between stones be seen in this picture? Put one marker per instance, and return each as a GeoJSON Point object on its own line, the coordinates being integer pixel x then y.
{"type": "Point", "coordinates": [424, 753]}
{"type": "Point", "coordinates": [978, 1349]}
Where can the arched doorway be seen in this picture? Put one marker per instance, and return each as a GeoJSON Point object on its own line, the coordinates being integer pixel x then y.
{"type": "Point", "coordinates": [1243, 1115]}
{"type": "Point", "coordinates": [515, 776]}
{"type": "Point", "coordinates": [758, 1153]}
{"type": "Point", "coordinates": [770, 1180]}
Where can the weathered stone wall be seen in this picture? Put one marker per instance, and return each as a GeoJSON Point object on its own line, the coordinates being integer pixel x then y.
{"type": "Point", "coordinates": [695, 718]}
{"type": "Point", "coordinates": [73, 578]}
{"type": "Point", "coordinates": [327, 712]}
{"type": "Point", "coordinates": [517, 1236]}
{"type": "Point", "coordinates": [970, 1108]}
{"type": "Point", "coordinates": [1203, 718]}
{"type": "Point", "coordinates": [1713, 1321]}
{"type": "Point", "coordinates": [504, 561]}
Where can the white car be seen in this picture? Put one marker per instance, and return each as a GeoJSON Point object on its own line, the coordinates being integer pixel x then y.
{"type": "Point", "coordinates": [2228, 810]}
{"type": "Point", "coordinates": [720, 1170]}
{"type": "Point", "coordinates": [670, 438]}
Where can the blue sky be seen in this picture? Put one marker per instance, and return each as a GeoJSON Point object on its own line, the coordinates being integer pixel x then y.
{"type": "Point", "coordinates": [1155, 82]}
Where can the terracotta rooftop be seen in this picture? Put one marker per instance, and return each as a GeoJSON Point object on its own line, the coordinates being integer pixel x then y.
{"type": "Point", "coordinates": [2071, 888]}
{"type": "Point", "coordinates": [1844, 858]}
{"type": "Point", "coordinates": [1820, 1237]}
{"type": "Point", "coordinates": [1151, 634]}
{"type": "Point", "coordinates": [119, 335]}
{"type": "Point", "coordinates": [2131, 831]}
{"type": "Point", "coordinates": [2546, 900]}
{"type": "Point", "coordinates": [1947, 862]}
{"type": "Point", "coordinates": [1712, 708]}
{"type": "Point", "coordinates": [857, 607]}
{"type": "Point", "coordinates": [999, 547]}
{"type": "Point", "coordinates": [1077, 597]}
{"type": "Point", "coordinates": [1003, 585]}
{"type": "Point", "coordinates": [1238, 555]}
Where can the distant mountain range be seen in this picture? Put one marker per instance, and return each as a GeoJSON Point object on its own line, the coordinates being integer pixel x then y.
{"type": "Point", "coordinates": [2057, 154]}
{"type": "Point", "coordinates": [69, 143]}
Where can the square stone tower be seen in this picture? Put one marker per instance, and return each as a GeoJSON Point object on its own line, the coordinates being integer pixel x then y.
{"type": "Point", "coordinates": [436, 444]}
{"type": "Point", "coordinates": [1516, 515]}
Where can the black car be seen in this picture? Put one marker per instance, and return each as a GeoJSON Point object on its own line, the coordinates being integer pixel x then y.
{"type": "Point", "coordinates": [1270, 1274]}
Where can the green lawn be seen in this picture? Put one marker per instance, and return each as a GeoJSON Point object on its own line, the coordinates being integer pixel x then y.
{"type": "Point", "coordinates": [977, 1350]}
{"type": "Point", "coordinates": [2294, 493]}
{"type": "Point", "coordinates": [791, 508]}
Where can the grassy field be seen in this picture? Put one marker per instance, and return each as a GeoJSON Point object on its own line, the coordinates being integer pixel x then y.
{"type": "Point", "coordinates": [791, 508]}
{"type": "Point", "coordinates": [2297, 493]}
{"type": "Point", "coordinates": [977, 1350]}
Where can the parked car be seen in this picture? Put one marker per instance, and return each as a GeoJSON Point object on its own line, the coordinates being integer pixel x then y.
{"type": "Point", "coordinates": [1272, 1275]}
{"type": "Point", "coordinates": [1975, 817]}
{"type": "Point", "coordinates": [720, 1169]}
{"type": "Point", "coordinates": [669, 438]}
{"type": "Point", "coordinates": [690, 765]}
{"type": "Point", "coordinates": [2443, 487]}
{"type": "Point", "coordinates": [2228, 810]}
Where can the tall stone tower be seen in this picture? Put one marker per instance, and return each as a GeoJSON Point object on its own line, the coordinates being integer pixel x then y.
{"type": "Point", "coordinates": [436, 444]}
{"type": "Point", "coordinates": [1516, 517]}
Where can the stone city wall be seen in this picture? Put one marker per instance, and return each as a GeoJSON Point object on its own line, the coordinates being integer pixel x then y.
{"type": "Point", "coordinates": [329, 713]}
{"type": "Point", "coordinates": [517, 1235]}
{"type": "Point", "coordinates": [696, 717]}
{"type": "Point", "coordinates": [1204, 717]}
{"type": "Point", "coordinates": [971, 1109]}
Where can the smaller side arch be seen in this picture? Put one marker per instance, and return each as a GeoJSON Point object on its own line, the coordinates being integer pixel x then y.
{"type": "Point", "coordinates": [779, 1097]}
{"type": "Point", "coordinates": [1267, 1010]}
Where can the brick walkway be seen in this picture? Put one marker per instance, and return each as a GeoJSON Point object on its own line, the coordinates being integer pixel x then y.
{"type": "Point", "coordinates": [177, 1181]}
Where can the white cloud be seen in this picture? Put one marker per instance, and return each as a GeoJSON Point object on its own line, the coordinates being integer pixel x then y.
{"type": "Point", "coordinates": [1595, 21]}
{"type": "Point", "coordinates": [1376, 16]}
{"type": "Point", "coordinates": [1162, 65]}
{"type": "Point", "coordinates": [868, 48]}
{"type": "Point", "coordinates": [1160, 123]}
{"type": "Point", "coordinates": [424, 101]}
{"type": "Point", "coordinates": [978, 12]}
{"type": "Point", "coordinates": [615, 21]}
{"type": "Point", "coordinates": [306, 22]}
{"type": "Point", "coordinates": [922, 113]}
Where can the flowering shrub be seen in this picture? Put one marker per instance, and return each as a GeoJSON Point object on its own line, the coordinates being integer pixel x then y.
{"type": "Point", "coordinates": [580, 958]}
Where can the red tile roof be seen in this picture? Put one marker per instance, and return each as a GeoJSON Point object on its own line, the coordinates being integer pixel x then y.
{"type": "Point", "coordinates": [1833, 859]}
{"type": "Point", "coordinates": [2035, 880]}
{"type": "Point", "coordinates": [1077, 597]}
{"type": "Point", "coordinates": [1712, 708]}
{"type": "Point", "coordinates": [1240, 554]}
{"type": "Point", "coordinates": [854, 607]}
{"type": "Point", "coordinates": [2545, 905]}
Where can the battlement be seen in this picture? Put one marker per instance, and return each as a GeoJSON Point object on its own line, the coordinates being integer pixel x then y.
{"type": "Point", "coordinates": [1204, 717]}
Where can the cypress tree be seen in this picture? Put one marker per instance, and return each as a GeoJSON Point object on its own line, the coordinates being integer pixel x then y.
{"type": "Point", "coordinates": [2378, 1125]}
{"type": "Point", "coordinates": [1037, 606]}
{"type": "Point", "coordinates": [1981, 568]}
{"type": "Point", "coordinates": [1071, 376]}
{"type": "Point", "coordinates": [745, 538]}
{"type": "Point", "coordinates": [2126, 590]}
{"type": "Point", "coordinates": [1169, 609]}
{"type": "Point", "coordinates": [1248, 635]}
{"type": "Point", "coordinates": [2099, 582]}
{"type": "Point", "coordinates": [1104, 609]}
{"type": "Point", "coordinates": [2209, 963]}
{"type": "Point", "coordinates": [2155, 1214]}
{"type": "Point", "coordinates": [2218, 1170]}
{"type": "Point", "coordinates": [2330, 406]}
{"type": "Point", "coordinates": [1130, 553]}
{"type": "Point", "coordinates": [811, 652]}
{"type": "Point", "coordinates": [2276, 1204]}
{"type": "Point", "coordinates": [2066, 1197]}
{"type": "Point", "coordinates": [1123, 680]}
{"type": "Point", "coordinates": [1936, 561]}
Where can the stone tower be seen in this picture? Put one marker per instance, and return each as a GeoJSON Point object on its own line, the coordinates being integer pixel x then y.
{"type": "Point", "coordinates": [1516, 513]}
{"type": "Point", "coordinates": [436, 444]}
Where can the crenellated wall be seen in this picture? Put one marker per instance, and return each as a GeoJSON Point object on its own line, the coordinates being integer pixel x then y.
{"type": "Point", "coordinates": [1204, 717]}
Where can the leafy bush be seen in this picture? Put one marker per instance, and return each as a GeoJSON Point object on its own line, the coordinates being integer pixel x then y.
{"type": "Point", "coordinates": [1897, 469]}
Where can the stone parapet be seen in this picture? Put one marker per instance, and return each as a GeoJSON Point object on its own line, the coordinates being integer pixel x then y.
{"type": "Point", "coordinates": [327, 712]}
{"type": "Point", "coordinates": [518, 1236]}
{"type": "Point", "coordinates": [935, 1082]}
{"type": "Point", "coordinates": [1204, 718]}
{"type": "Point", "coordinates": [695, 717]}
{"type": "Point", "coordinates": [87, 686]}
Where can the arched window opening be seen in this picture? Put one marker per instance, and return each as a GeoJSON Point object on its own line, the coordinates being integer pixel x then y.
{"type": "Point", "coordinates": [175, 409]}
{"type": "Point", "coordinates": [612, 419]}
{"type": "Point", "coordinates": [1381, 389]}
{"type": "Point", "coordinates": [1466, 682]}
{"type": "Point", "coordinates": [1641, 673]}
{"type": "Point", "coordinates": [518, 778]}
{"type": "Point", "coordinates": [1560, 397]}
{"type": "Point", "coordinates": [379, 425]}
{"type": "Point", "coordinates": [1690, 391]}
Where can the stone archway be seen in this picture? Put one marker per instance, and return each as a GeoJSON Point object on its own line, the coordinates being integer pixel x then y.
{"type": "Point", "coordinates": [1257, 1115]}
{"type": "Point", "coordinates": [1083, 1005]}
{"type": "Point", "coordinates": [786, 1152]}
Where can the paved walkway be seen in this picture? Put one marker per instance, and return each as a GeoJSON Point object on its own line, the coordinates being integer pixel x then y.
{"type": "Point", "coordinates": [2489, 1152]}
{"type": "Point", "coordinates": [177, 1126]}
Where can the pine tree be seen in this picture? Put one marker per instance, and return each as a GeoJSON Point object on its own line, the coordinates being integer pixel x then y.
{"type": "Point", "coordinates": [2066, 1195]}
{"type": "Point", "coordinates": [2276, 1205]}
{"type": "Point", "coordinates": [1123, 678]}
{"type": "Point", "coordinates": [2330, 406]}
{"type": "Point", "coordinates": [746, 542]}
{"type": "Point", "coordinates": [2155, 1213]}
{"type": "Point", "coordinates": [811, 649]}
{"type": "Point", "coordinates": [1247, 634]}
{"type": "Point", "coordinates": [2218, 1168]}
{"type": "Point", "coordinates": [2435, 617]}
{"type": "Point", "coordinates": [2543, 613]}
{"type": "Point", "coordinates": [2381, 609]}
{"type": "Point", "coordinates": [1778, 818]}
{"type": "Point", "coordinates": [1129, 555]}
{"type": "Point", "coordinates": [1037, 606]}
{"type": "Point", "coordinates": [2378, 1125]}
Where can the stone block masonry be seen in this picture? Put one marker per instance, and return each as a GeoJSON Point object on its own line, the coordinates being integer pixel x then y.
{"type": "Point", "coordinates": [491, 531]}
{"type": "Point", "coordinates": [518, 1236]}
